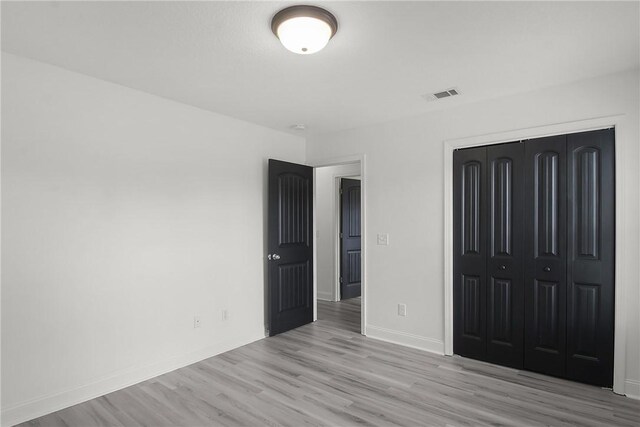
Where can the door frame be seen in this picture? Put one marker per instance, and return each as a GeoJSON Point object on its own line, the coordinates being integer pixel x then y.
{"type": "Point", "coordinates": [622, 241]}
{"type": "Point", "coordinates": [337, 161]}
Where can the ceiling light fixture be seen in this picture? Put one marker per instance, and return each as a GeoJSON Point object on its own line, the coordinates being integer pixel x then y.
{"type": "Point", "coordinates": [304, 29]}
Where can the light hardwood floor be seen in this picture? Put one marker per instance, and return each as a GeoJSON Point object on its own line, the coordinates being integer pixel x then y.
{"type": "Point", "coordinates": [326, 373]}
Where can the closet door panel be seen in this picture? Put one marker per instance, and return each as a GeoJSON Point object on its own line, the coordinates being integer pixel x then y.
{"type": "Point", "coordinates": [590, 269]}
{"type": "Point", "coordinates": [545, 255]}
{"type": "Point", "coordinates": [470, 234]}
{"type": "Point", "coordinates": [505, 297]}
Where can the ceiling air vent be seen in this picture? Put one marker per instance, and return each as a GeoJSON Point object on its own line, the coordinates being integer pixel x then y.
{"type": "Point", "coordinates": [439, 95]}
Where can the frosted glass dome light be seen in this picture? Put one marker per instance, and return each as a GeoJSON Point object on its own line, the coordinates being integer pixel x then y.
{"type": "Point", "coordinates": [304, 29]}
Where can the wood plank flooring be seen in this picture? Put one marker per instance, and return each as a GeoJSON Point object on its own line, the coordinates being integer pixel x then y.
{"type": "Point", "coordinates": [341, 315]}
{"type": "Point", "coordinates": [326, 373]}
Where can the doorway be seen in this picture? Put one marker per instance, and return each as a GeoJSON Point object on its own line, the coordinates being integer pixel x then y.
{"type": "Point", "coordinates": [339, 280]}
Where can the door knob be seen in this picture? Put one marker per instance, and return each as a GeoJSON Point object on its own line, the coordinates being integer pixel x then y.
{"type": "Point", "coordinates": [547, 269]}
{"type": "Point", "coordinates": [503, 267]}
{"type": "Point", "coordinates": [275, 256]}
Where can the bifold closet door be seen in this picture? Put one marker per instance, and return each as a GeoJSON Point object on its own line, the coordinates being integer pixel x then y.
{"type": "Point", "coordinates": [545, 255]}
{"type": "Point", "coordinates": [488, 243]}
{"type": "Point", "coordinates": [505, 293]}
{"type": "Point", "coordinates": [470, 252]}
{"type": "Point", "coordinates": [534, 248]}
{"type": "Point", "coordinates": [591, 249]}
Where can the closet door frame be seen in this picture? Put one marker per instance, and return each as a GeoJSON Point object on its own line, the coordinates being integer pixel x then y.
{"type": "Point", "coordinates": [622, 243]}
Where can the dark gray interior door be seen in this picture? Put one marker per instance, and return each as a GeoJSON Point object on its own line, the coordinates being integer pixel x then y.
{"type": "Point", "coordinates": [350, 245]}
{"type": "Point", "coordinates": [290, 257]}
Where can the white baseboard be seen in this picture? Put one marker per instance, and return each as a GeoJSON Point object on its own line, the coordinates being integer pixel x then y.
{"type": "Point", "coordinates": [632, 389]}
{"type": "Point", "coordinates": [408, 340]}
{"type": "Point", "coordinates": [325, 296]}
{"type": "Point", "coordinates": [38, 407]}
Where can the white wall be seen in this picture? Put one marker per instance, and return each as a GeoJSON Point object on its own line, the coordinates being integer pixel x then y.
{"type": "Point", "coordinates": [405, 198]}
{"type": "Point", "coordinates": [123, 216]}
{"type": "Point", "coordinates": [327, 223]}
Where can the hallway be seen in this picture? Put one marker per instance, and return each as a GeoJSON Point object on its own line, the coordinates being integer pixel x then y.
{"type": "Point", "coordinates": [343, 314]}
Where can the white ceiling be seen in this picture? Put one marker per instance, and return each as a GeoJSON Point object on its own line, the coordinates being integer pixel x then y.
{"type": "Point", "coordinates": [222, 56]}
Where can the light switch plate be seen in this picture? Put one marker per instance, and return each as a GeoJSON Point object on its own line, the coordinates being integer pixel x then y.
{"type": "Point", "coordinates": [383, 239]}
{"type": "Point", "coordinates": [402, 310]}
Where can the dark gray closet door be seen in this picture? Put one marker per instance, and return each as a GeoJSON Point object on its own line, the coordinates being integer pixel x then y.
{"type": "Point", "coordinates": [534, 249]}
{"type": "Point", "coordinates": [505, 292]}
{"type": "Point", "coordinates": [470, 254]}
{"type": "Point", "coordinates": [545, 255]}
{"type": "Point", "coordinates": [591, 248]}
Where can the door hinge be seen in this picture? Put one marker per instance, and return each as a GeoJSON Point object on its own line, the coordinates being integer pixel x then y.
{"type": "Point", "coordinates": [341, 191]}
{"type": "Point", "coordinates": [341, 235]}
{"type": "Point", "coordinates": [340, 279]}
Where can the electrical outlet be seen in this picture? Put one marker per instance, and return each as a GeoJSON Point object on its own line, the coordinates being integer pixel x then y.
{"type": "Point", "coordinates": [225, 315]}
{"type": "Point", "coordinates": [402, 310]}
{"type": "Point", "coordinates": [197, 321]}
{"type": "Point", "coordinates": [383, 239]}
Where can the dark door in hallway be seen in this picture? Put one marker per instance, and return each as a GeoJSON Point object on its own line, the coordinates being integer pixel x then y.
{"type": "Point", "coordinates": [290, 246]}
{"type": "Point", "coordinates": [350, 247]}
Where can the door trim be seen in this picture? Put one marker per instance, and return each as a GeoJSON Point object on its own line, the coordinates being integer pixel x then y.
{"type": "Point", "coordinates": [336, 161]}
{"type": "Point", "coordinates": [622, 223]}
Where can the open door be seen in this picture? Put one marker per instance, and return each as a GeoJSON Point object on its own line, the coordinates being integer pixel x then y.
{"type": "Point", "coordinates": [290, 257]}
{"type": "Point", "coordinates": [350, 261]}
